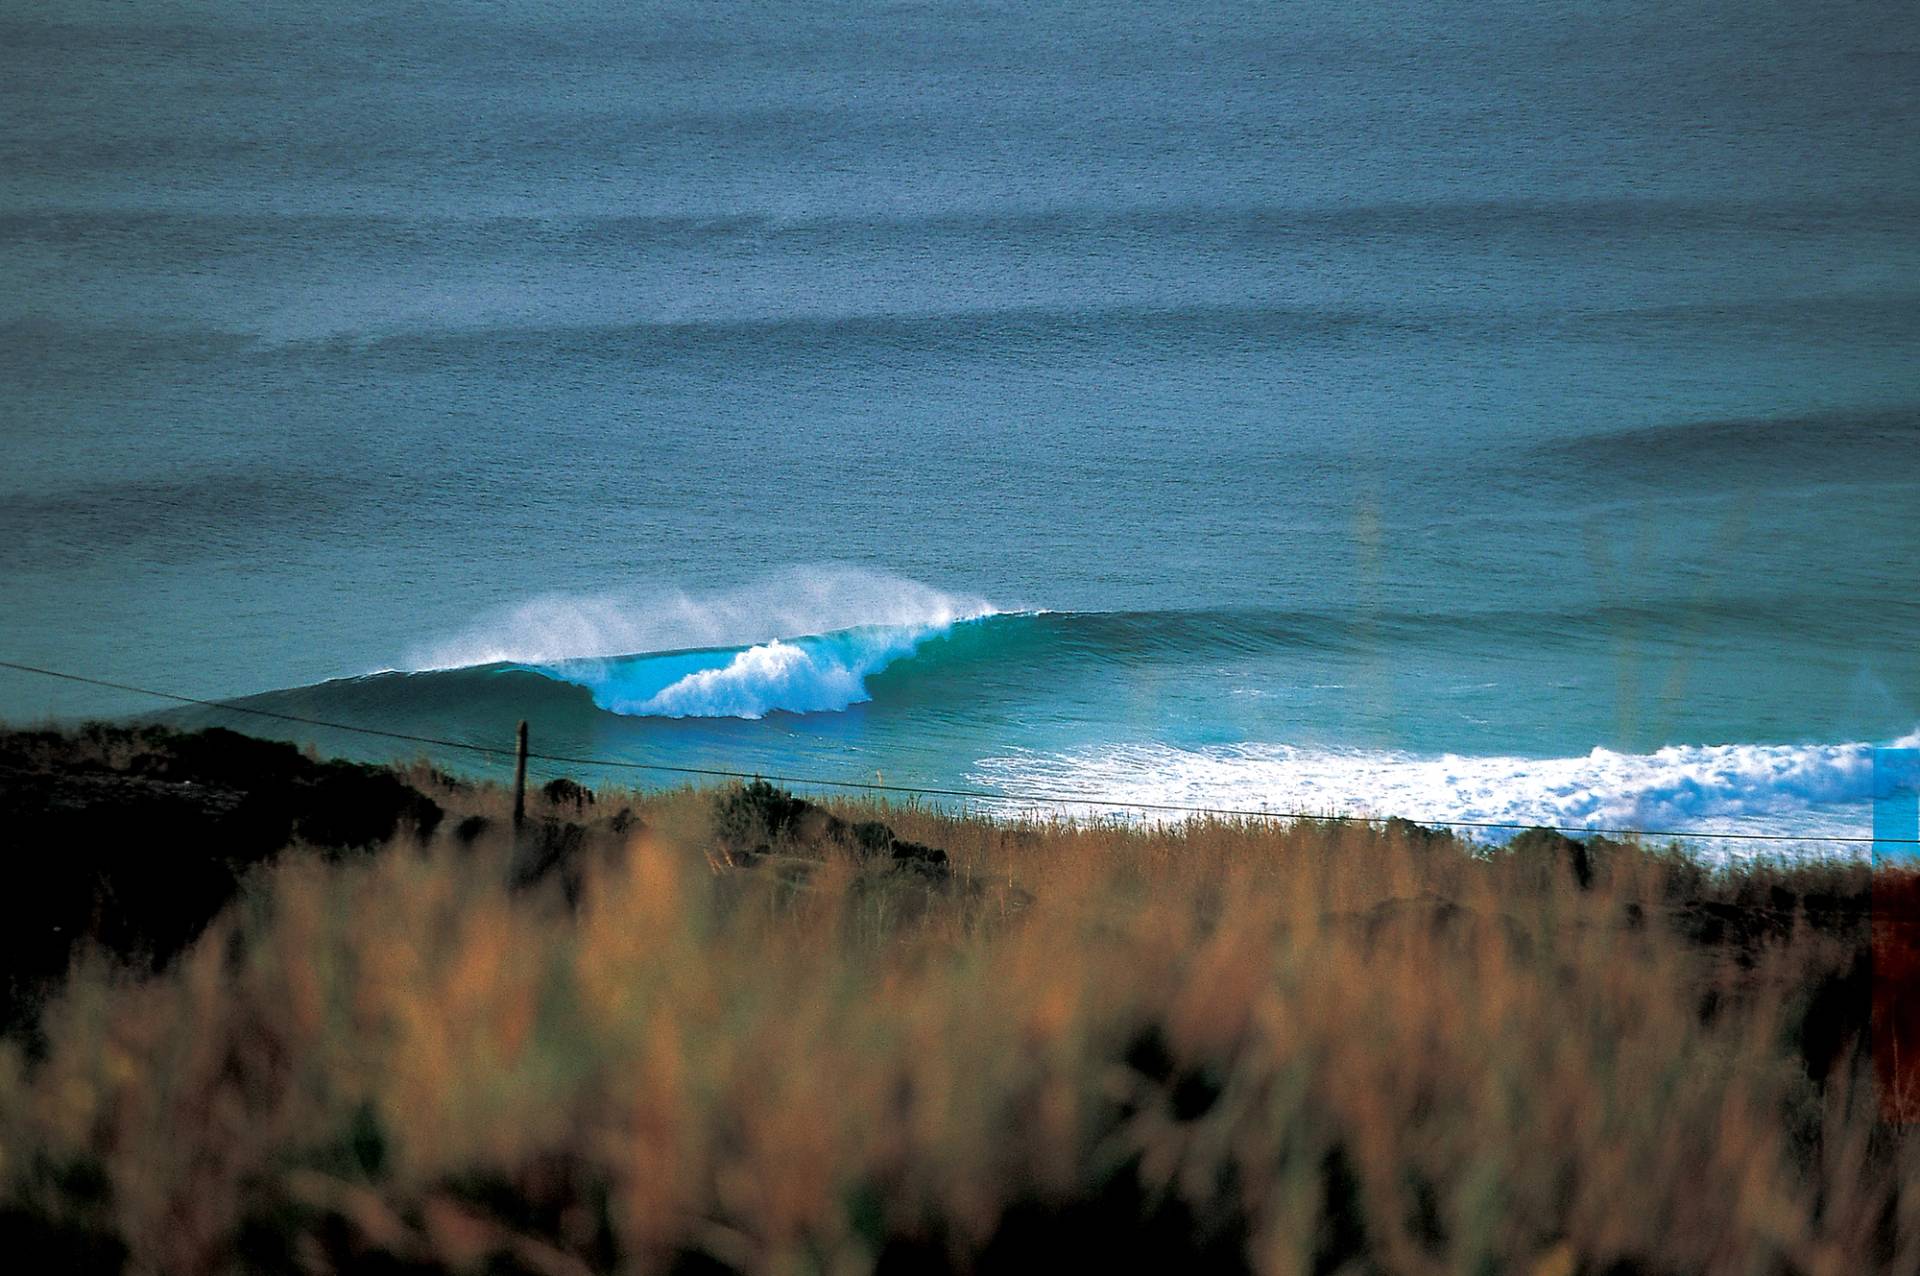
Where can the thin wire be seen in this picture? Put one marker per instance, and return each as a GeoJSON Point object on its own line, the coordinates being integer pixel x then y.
{"type": "Point", "coordinates": [1069, 799]}
{"type": "Point", "coordinates": [258, 713]}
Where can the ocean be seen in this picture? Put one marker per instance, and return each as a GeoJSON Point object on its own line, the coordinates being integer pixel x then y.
{"type": "Point", "coordinates": [1479, 412]}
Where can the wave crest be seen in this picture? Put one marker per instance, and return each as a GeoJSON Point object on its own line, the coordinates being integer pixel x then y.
{"type": "Point", "coordinates": [798, 600]}
{"type": "Point", "coordinates": [819, 673]}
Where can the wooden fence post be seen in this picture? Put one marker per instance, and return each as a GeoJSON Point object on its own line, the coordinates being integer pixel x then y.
{"type": "Point", "coordinates": [520, 775]}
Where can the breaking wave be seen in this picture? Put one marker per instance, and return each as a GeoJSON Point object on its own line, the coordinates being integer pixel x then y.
{"type": "Point", "coordinates": [1818, 790]}
{"type": "Point", "coordinates": [812, 674]}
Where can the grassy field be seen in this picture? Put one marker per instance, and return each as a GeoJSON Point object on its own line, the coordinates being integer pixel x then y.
{"type": "Point", "coordinates": [716, 1031]}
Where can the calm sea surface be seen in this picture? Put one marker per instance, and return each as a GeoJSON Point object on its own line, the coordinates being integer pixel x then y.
{"type": "Point", "coordinates": [1476, 411]}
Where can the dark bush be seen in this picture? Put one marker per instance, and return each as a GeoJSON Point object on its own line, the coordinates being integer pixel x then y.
{"type": "Point", "coordinates": [1419, 836]}
{"type": "Point", "coordinates": [135, 837]}
{"type": "Point", "coordinates": [756, 816]}
{"type": "Point", "coordinates": [1554, 851]}
{"type": "Point", "coordinates": [918, 855]}
{"type": "Point", "coordinates": [871, 837]}
{"type": "Point", "coordinates": [564, 792]}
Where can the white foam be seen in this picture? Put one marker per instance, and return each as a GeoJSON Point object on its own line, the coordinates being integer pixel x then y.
{"type": "Point", "coordinates": [1808, 791]}
{"type": "Point", "coordinates": [807, 675]}
{"type": "Point", "coordinates": [785, 604]}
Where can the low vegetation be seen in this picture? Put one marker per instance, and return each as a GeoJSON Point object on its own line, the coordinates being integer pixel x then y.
{"type": "Point", "coordinates": [743, 1031]}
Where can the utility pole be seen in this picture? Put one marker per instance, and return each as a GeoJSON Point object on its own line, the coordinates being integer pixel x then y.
{"type": "Point", "coordinates": [520, 775]}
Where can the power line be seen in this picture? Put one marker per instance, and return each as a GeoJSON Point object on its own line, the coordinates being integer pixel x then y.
{"type": "Point", "coordinates": [258, 713]}
{"type": "Point", "coordinates": [1065, 799]}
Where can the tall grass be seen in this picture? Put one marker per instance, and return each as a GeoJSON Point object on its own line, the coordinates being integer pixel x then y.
{"type": "Point", "coordinates": [1222, 1045]}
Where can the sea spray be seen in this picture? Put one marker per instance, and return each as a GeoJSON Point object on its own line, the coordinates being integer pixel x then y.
{"type": "Point", "coordinates": [794, 601]}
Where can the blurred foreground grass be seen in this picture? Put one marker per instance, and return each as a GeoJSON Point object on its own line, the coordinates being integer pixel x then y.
{"type": "Point", "coordinates": [700, 1032]}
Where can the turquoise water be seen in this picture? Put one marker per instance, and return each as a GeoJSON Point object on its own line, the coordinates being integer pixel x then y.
{"type": "Point", "coordinates": [1465, 411]}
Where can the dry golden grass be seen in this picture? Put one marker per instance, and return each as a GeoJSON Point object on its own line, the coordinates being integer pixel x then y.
{"type": "Point", "coordinates": [1302, 1049]}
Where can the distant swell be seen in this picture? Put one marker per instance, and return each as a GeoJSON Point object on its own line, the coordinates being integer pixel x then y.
{"type": "Point", "coordinates": [1838, 446]}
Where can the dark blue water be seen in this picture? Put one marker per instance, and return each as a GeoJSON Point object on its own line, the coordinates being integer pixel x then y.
{"type": "Point", "coordinates": [1468, 410]}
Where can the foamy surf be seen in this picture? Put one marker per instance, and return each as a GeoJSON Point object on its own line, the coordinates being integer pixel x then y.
{"type": "Point", "coordinates": [1806, 792]}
